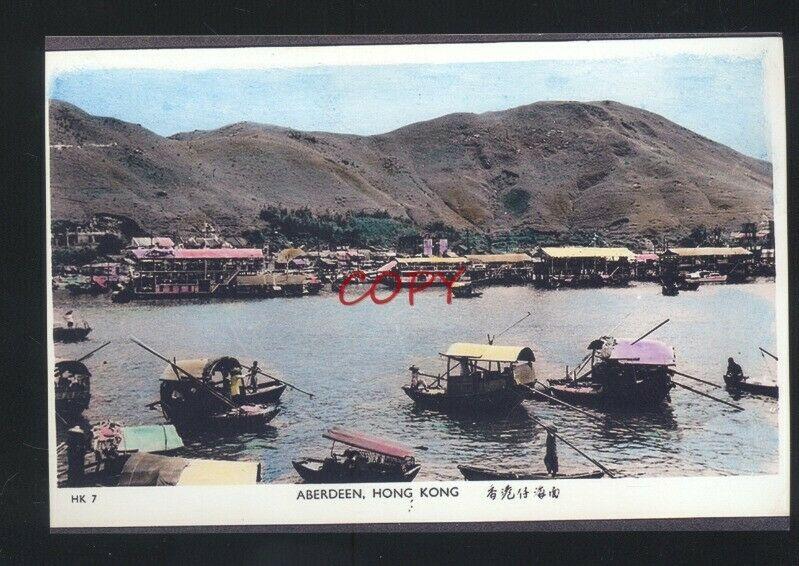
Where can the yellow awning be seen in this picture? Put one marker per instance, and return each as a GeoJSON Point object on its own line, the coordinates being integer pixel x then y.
{"type": "Point", "coordinates": [489, 353]}
{"type": "Point", "coordinates": [498, 258]}
{"type": "Point", "coordinates": [567, 252]}
{"type": "Point", "coordinates": [218, 472]}
{"type": "Point", "coordinates": [700, 252]}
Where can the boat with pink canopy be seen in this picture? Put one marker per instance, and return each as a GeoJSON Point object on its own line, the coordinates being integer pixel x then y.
{"type": "Point", "coordinates": [624, 373]}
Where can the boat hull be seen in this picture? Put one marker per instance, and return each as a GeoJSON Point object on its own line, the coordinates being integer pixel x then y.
{"type": "Point", "coordinates": [484, 402]}
{"type": "Point", "coordinates": [643, 394]}
{"type": "Point", "coordinates": [73, 404]}
{"type": "Point", "coordinates": [74, 334]}
{"type": "Point", "coordinates": [477, 473]}
{"type": "Point", "coordinates": [316, 470]}
{"type": "Point", "coordinates": [752, 387]}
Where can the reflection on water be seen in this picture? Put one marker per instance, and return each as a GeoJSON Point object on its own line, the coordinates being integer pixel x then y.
{"type": "Point", "coordinates": [354, 359]}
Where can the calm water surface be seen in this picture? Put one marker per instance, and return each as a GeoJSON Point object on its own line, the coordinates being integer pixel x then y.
{"type": "Point", "coordinates": [356, 358]}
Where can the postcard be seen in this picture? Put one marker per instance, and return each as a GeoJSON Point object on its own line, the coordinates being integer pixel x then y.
{"type": "Point", "coordinates": [327, 285]}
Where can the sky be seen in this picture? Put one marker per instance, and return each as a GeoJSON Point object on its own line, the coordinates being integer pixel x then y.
{"type": "Point", "coordinates": [720, 97]}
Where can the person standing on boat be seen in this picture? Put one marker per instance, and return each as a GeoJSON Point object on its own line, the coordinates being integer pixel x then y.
{"type": "Point", "coordinates": [734, 371]}
{"type": "Point", "coordinates": [69, 320]}
{"type": "Point", "coordinates": [236, 383]}
{"type": "Point", "coordinates": [416, 381]}
{"type": "Point", "coordinates": [551, 456]}
{"type": "Point", "coordinates": [253, 376]}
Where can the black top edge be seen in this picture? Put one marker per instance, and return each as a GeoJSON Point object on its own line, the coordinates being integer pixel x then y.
{"type": "Point", "coordinates": [81, 43]}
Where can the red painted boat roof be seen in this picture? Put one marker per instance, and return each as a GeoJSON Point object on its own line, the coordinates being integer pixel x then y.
{"type": "Point", "coordinates": [199, 253]}
{"type": "Point", "coordinates": [366, 442]}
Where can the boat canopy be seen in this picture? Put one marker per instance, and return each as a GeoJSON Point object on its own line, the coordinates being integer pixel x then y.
{"type": "Point", "coordinates": [73, 366]}
{"type": "Point", "coordinates": [490, 353]}
{"type": "Point", "coordinates": [369, 443]}
{"type": "Point", "coordinates": [203, 367]}
{"type": "Point", "coordinates": [643, 352]}
{"type": "Point", "coordinates": [194, 366]}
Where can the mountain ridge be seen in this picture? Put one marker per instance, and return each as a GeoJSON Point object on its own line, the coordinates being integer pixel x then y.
{"type": "Point", "coordinates": [554, 166]}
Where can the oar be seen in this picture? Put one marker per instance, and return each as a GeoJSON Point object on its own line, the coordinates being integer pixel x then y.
{"type": "Point", "coordinates": [550, 430]}
{"type": "Point", "coordinates": [175, 366]}
{"type": "Point", "coordinates": [650, 332]}
{"type": "Point", "coordinates": [311, 395]}
{"type": "Point", "coordinates": [492, 338]}
{"type": "Point", "coordinates": [89, 355]}
{"type": "Point", "coordinates": [736, 407]}
{"type": "Point", "coordinates": [769, 353]}
{"type": "Point", "coordinates": [674, 371]}
{"type": "Point", "coordinates": [565, 404]}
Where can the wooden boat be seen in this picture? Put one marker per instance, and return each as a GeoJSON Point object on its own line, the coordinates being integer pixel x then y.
{"type": "Point", "coordinates": [705, 277]}
{"type": "Point", "coordinates": [368, 459]}
{"type": "Point", "coordinates": [195, 403]}
{"type": "Point", "coordinates": [755, 387]}
{"type": "Point", "coordinates": [71, 334]}
{"type": "Point", "coordinates": [622, 373]}
{"type": "Point", "coordinates": [478, 473]}
{"type": "Point", "coordinates": [465, 290]}
{"type": "Point", "coordinates": [212, 371]}
{"type": "Point", "coordinates": [670, 289]}
{"type": "Point", "coordinates": [72, 388]}
{"type": "Point", "coordinates": [475, 380]}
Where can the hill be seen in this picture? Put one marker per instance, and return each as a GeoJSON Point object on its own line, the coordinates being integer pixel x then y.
{"type": "Point", "coordinates": [548, 166]}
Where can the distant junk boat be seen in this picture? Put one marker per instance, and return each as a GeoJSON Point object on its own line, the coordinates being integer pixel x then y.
{"type": "Point", "coordinates": [479, 378]}
{"type": "Point", "coordinates": [368, 459]}
{"type": "Point", "coordinates": [188, 272]}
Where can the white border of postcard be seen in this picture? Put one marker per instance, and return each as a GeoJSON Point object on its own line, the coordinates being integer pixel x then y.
{"type": "Point", "coordinates": [603, 499]}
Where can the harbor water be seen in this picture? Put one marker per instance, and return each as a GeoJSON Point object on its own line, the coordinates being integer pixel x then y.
{"type": "Point", "coordinates": [356, 358]}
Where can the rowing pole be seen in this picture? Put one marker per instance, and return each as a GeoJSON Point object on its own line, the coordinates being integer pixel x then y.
{"type": "Point", "coordinates": [769, 353]}
{"type": "Point", "coordinates": [311, 395]}
{"type": "Point", "coordinates": [89, 355]}
{"type": "Point", "coordinates": [534, 390]}
{"type": "Point", "coordinates": [674, 371]}
{"type": "Point", "coordinates": [495, 336]}
{"type": "Point", "coordinates": [550, 430]}
{"type": "Point", "coordinates": [176, 366]}
{"type": "Point", "coordinates": [650, 332]}
{"type": "Point", "coordinates": [736, 407]}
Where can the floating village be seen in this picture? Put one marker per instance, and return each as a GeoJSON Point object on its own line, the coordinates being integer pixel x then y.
{"type": "Point", "coordinates": [228, 395]}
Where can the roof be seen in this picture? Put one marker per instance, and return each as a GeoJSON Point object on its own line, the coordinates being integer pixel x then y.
{"type": "Point", "coordinates": [146, 242]}
{"type": "Point", "coordinates": [199, 253]}
{"type": "Point", "coordinates": [286, 255]}
{"type": "Point", "coordinates": [499, 258]}
{"type": "Point", "coordinates": [587, 252]}
{"type": "Point", "coordinates": [220, 472]}
{"type": "Point", "coordinates": [432, 259]}
{"type": "Point", "coordinates": [490, 353]}
{"type": "Point", "coordinates": [643, 352]}
{"type": "Point", "coordinates": [370, 443]}
{"type": "Point", "coordinates": [72, 366]}
{"type": "Point", "coordinates": [195, 367]}
{"type": "Point", "coordinates": [646, 257]}
{"type": "Point", "coordinates": [697, 252]}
